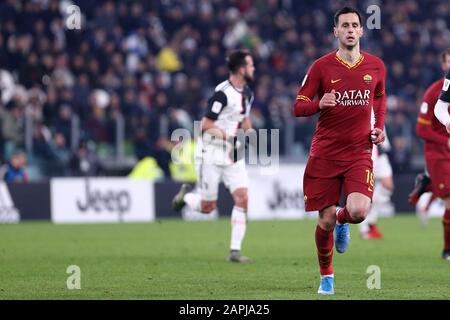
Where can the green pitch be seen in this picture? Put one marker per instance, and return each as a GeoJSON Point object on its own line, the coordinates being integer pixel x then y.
{"type": "Point", "coordinates": [173, 259]}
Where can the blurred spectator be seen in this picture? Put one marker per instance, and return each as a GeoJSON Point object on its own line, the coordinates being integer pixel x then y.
{"type": "Point", "coordinates": [13, 125]}
{"type": "Point", "coordinates": [84, 162]}
{"type": "Point", "coordinates": [14, 170]}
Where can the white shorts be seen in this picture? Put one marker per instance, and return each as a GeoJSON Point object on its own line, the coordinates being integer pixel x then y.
{"type": "Point", "coordinates": [381, 166]}
{"type": "Point", "coordinates": [234, 176]}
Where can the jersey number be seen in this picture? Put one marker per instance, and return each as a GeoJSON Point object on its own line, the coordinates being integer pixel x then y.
{"type": "Point", "coordinates": [369, 180]}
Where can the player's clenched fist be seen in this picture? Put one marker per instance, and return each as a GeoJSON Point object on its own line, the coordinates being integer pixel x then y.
{"type": "Point", "coordinates": [328, 100]}
{"type": "Point", "coordinates": [377, 136]}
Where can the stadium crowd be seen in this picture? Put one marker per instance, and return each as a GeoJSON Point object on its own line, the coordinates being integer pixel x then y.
{"type": "Point", "coordinates": [155, 64]}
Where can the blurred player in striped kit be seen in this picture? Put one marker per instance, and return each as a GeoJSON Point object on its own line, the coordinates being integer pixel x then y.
{"type": "Point", "coordinates": [220, 156]}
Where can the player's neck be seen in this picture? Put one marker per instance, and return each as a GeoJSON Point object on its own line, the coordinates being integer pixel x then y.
{"type": "Point", "coordinates": [237, 82]}
{"type": "Point", "coordinates": [349, 55]}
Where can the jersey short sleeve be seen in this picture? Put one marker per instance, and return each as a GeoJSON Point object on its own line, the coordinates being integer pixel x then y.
{"type": "Point", "coordinates": [311, 83]}
{"type": "Point", "coordinates": [426, 112]}
{"type": "Point", "coordinates": [215, 105]}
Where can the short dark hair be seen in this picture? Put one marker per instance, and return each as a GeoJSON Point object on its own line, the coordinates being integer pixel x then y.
{"type": "Point", "coordinates": [345, 10]}
{"type": "Point", "coordinates": [445, 53]}
{"type": "Point", "coordinates": [236, 59]}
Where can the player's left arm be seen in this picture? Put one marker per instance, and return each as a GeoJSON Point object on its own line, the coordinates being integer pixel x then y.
{"type": "Point", "coordinates": [441, 107]}
{"type": "Point", "coordinates": [379, 107]}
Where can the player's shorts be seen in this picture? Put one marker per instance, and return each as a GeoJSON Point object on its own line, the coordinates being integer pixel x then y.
{"type": "Point", "coordinates": [382, 167]}
{"type": "Point", "coordinates": [234, 176]}
{"type": "Point", "coordinates": [440, 177]}
{"type": "Point", "coordinates": [323, 181]}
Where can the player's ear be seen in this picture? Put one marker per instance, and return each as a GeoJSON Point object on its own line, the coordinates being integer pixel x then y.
{"type": "Point", "coordinates": [335, 32]}
{"type": "Point", "coordinates": [242, 70]}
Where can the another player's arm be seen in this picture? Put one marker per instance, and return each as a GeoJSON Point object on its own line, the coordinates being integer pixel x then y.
{"type": "Point", "coordinates": [424, 128]}
{"type": "Point", "coordinates": [209, 125]}
{"type": "Point", "coordinates": [304, 105]}
{"type": "Point", "coordinates": [246, 124]}
{"type": "Point", "coordinates": [379, 108]}
{"type": "Point", "coordinates": [441, 107]}
{"type": "Point", "coordinates": [215, 106]}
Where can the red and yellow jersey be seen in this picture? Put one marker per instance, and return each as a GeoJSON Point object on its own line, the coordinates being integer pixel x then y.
{"type": "Point", "coordinates": [343, 131]}
{"type": "Point", "coordinates": [428, 126]}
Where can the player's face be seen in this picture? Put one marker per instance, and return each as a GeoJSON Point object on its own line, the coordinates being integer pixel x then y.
{"type": "Point", "coordinates": [249, 69]}
{"type": "Point", "coordinates": [446, 63]}
{"type": "Point", "coordinates": [348, 30]}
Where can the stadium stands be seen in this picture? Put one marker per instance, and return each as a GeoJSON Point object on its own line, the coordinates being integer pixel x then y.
{"type": "Point", "coordinates": [138, 70]}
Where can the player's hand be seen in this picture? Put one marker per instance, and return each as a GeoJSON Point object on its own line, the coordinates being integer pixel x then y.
{"type": "Point", "coordinates": [448, 127]}
{"type": "Point", "coordinates": [377, 136]}
{"type": "Point", "coordinates": [328, 100]}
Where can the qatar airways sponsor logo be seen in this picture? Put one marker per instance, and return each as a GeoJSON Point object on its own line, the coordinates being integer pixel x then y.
{"type": "Point", "coordinates": [353, 98]}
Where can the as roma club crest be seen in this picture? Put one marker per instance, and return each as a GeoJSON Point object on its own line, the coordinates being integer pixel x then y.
{"type": "Point", "coordinates": [367, 78]}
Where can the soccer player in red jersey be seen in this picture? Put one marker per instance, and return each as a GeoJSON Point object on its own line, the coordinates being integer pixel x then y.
{"type": "Point", "coordinates": [433, 125]}
{"type": "Point", "coordinates": [437, 145]}
{"type": "Point", "coordinates": [348, 83]}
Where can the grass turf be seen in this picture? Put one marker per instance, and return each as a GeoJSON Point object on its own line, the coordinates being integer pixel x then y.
{"type": "Point", "coordinates": [174, 259]}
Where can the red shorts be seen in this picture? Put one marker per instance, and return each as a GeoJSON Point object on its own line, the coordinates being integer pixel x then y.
{"type": "Point", "coordinates": [440, 177]}
{"type": "Point", "coordinates": [324, 179]}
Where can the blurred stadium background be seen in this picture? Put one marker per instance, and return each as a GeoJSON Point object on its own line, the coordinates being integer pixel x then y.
{"type": "Point", "coordinates": [95, 102]}
{"type": "Point", "coordinates": [139, 69]}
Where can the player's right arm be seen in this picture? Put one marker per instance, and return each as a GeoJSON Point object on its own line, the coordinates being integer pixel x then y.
{"type": "Point", "coordinates": [424, 128]}
{"type": "Point", "coordinates": [304, 105]}
{"type": "Point", "coordinates": [215, 106]}
{"type": "Point", "coordinates": [441, 107]}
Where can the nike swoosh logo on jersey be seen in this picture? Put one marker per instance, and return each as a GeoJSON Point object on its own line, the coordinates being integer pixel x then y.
{"type": "Point", "coordinates": [334, 81]}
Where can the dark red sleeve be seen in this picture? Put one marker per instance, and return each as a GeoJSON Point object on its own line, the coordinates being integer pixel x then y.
{"type": "Point", "coordinates": [304, 105]}
{"type": "Point", "coordinates": [426, 132]}
{"type": "Point", "coordinates": [379, 100]}
{"type": "Point", "coordinates": [424, 128]}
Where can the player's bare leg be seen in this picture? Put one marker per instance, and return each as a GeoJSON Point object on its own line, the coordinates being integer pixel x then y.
{"type": "Point", "coordinates": [354, 212]}
{"type": "Point", "coordinates": [324, 243]}
{"type": "Point", "coordinates": [238, 225]}
{"type": "Point", "coordinates": [446, 224]}
{"type": "Point", "coordinates": [327, 218]}
{"type": "Point", "coordinates": [357, 206]}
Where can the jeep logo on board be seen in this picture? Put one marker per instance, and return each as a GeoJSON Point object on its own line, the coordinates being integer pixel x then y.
{"type": "Point", "coordinates": [114, 201]}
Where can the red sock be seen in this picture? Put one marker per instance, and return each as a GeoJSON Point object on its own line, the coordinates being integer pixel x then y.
{"type": "Point", "coordinates": [446, 223]}
{"type": "Point", "coordinates": [343, 216]}
{"type": "Point", "coordinates": [324, 244]}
